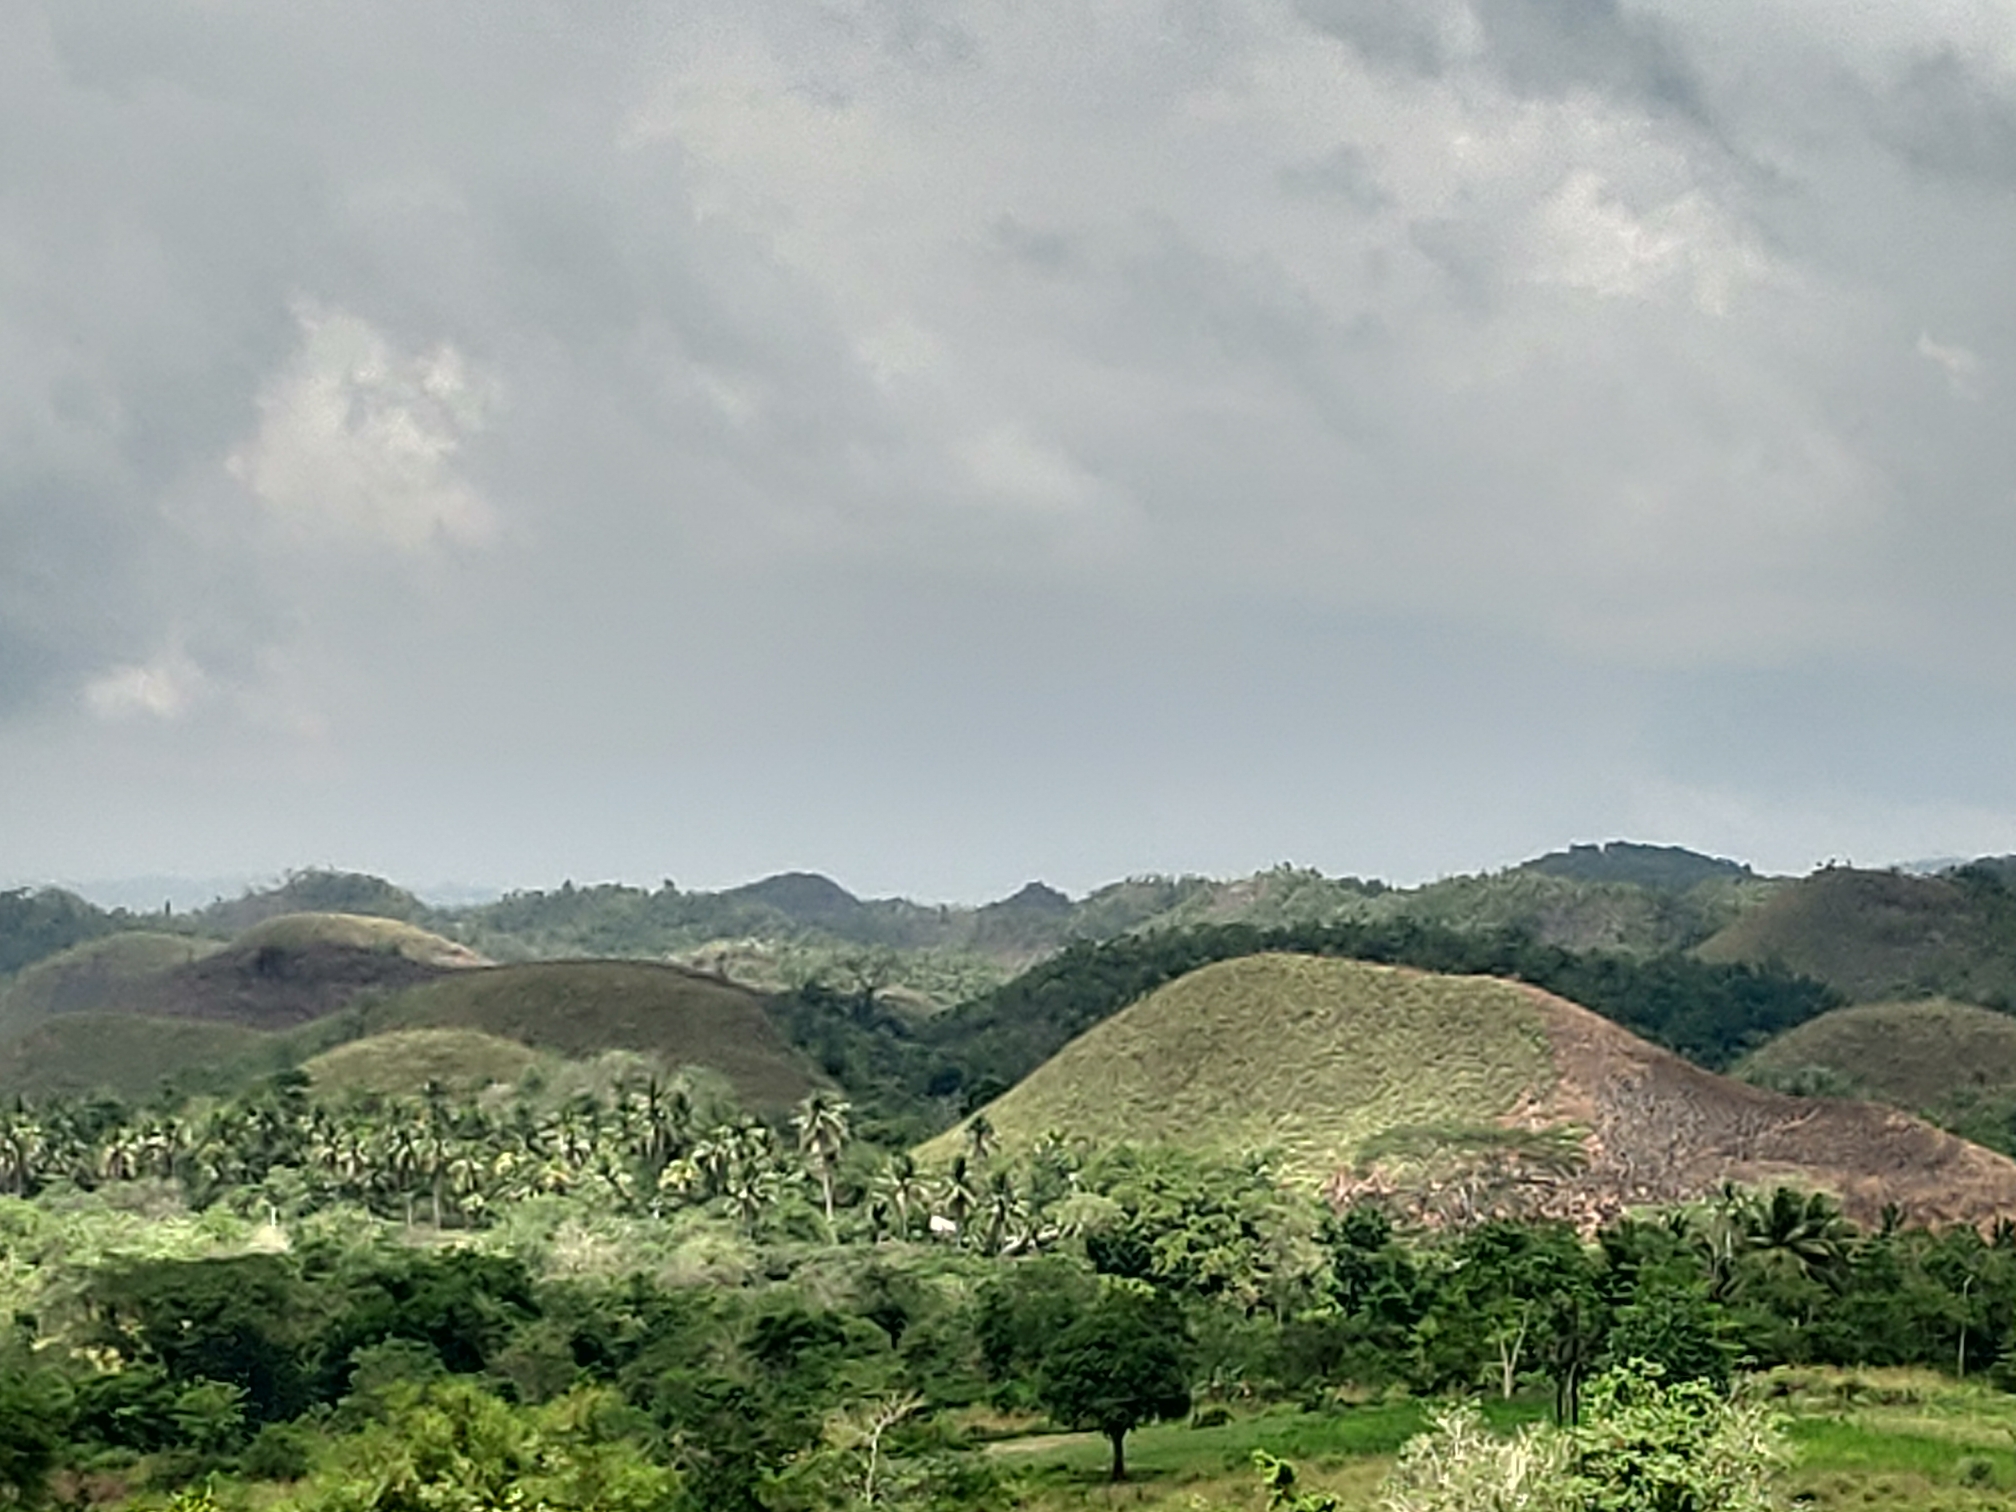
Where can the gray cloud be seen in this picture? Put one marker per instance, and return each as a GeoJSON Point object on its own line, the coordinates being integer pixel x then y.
{"type": "Point", "coordinates": [962, 441]}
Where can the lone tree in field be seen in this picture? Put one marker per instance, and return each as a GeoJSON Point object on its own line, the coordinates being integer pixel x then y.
{"type": "Point", "coordinates": [1119, 1365]}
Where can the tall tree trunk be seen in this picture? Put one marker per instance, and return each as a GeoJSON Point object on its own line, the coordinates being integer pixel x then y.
{"type": "Point", "coordinates": [1119, 1454]}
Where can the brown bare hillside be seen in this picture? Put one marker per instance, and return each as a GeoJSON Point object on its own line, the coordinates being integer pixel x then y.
{"type": "Point", "coordinates": [1655, 1129]}
{"type": "Point", "coordinates": [1466, 1097]}
{"type": "Point", "coordinates": [287, 971]}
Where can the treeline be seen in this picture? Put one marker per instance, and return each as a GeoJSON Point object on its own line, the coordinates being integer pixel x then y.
{"type": "Point", "coordinates": [964, 1057]}
{"type": "Point", "coordinates": [35, 924]}
{"type": "Point", "coordinates": [1164, 1284]}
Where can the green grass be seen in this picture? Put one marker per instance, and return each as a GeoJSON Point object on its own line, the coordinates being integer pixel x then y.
{"type": "Point", "coordinates": [1312, 1058]}
{"type": "Point", "coordinates": [1859, 1440]}
{"type": "Point", "coordinates": [1953, 1062]}
{"type": "Point", "coordinates": [580, 1009]}
{"type": "Point", "coordinates": [133, 1057]}
{"type": "Point", "coordinates": [1882, 935]}
{"type": "Point", "coordinates": [81, 978]}
{"type": "Point", "coordinates": [401, 1062]}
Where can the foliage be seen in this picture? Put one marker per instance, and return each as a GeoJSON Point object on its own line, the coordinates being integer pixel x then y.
{"type": "Point", "coordinates": [452, 1447]}
{"type": "Point", "coordinates": [1117, 1365]}
{"type": "Point", "coordinates": [1647, 1445]}
{"type": "Point", "coordinates": [35, 924]}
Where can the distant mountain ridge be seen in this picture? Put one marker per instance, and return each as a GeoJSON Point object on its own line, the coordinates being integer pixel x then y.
{"type": "Point", "coordinates": [1670, 867]}
{"type": "Point", "coordinates": [1618, 895]}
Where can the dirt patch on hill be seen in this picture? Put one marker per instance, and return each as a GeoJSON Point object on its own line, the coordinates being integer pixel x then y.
{"type": "Point", "coordinates": [1653, 1130]}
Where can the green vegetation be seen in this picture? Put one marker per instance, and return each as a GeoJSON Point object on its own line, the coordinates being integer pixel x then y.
{"type": "Point", "coordinates": [85, 977]}
{"type": "Point", "coordinates": [35, 925]}
{"type": "Point", "coordinates": [635, 1300]}
{"type": "Point", "coordinates": [582, 1008]}
{"type": "Point", "coordinates": [429, 1237]}
{"type": "Point", "coordinates": [1876, 936]}
{"type": "Point", "coordinates": [1301, 1056]}
{"type": "Point", "coordinates": [1952, 1062]}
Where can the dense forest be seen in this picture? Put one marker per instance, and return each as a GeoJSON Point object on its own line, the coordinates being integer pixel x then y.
{"type": "Point", "coordinates": [654, 1300]}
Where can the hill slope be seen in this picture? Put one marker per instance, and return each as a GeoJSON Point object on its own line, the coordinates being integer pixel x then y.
{"type": "Point", "coordinates": [1953, 1062]}
{"type": "Point", "coordinates": [277, 974]}
{"type": "Point", "coordinates": [1881, 935]}
{"type": "Point", "coordinates": [581, 1008]}
{"type": "Point", "coordinates": [131, 1057]}
{"type": "Point", "coordinates": [88, 976]}
{"type": "Point", "coordinates": [1468, 1095]}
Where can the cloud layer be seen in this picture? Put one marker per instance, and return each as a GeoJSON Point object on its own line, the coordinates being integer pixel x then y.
{"type": "Point", "coordinates": [943, 444]}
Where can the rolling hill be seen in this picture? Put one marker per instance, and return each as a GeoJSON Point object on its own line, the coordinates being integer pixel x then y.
{"type": "Point", "coordinates": [1467, 1095]}
{"type": "Point", "coordinates": [1878, 935]}
{"type": "Point", "coordinates": [73, 1054]}
{"type": "Point", "coordinates": [1953, 1062]}
{"type": "Point", "coordinates": [285, 971]}
{"type": "Point", "coordinates": [582, 1008]}
{"type": "Point", "coordinates": [89, 976]}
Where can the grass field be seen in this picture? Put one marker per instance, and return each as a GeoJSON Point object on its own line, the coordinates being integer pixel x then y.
{"type": "Point", "coordinates": [83, 977]}
{"type": "Point", "coordinates": [1954, 1062]}
{"type": "Point", "coordinates": [1860, 1440]}
{"type": "Point", "coordinates": [1882, 935]}
{"type": "Point", "coordinates": [579, 1009]}
{"type": "Point", "coordinates": [1308, 1057]}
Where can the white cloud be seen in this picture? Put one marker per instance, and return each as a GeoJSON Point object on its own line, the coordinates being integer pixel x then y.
{"type": "Point", "coordinates": [1961, 366]}
{"type": "Point", "coordinates": [165, 688]}
{"type": "Point", "coordinates": [357, 439]}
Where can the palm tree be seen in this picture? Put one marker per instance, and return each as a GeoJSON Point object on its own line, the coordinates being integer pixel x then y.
{"type": "Point", "coordinates": [22, 1145]}
{"type": "Point", "coordinates": [904, 1187]}
{"type": "Point", "coordinates": [956, 1198]}
{"type": "Point", "coordinates": [1805, 1236]}
{"type": "Point", "coordinates": [980, 1138]}
{"type": "Point", "coordinates": [821, 1122]}
{"type": "Point", "coordinates": [1000, 1209]}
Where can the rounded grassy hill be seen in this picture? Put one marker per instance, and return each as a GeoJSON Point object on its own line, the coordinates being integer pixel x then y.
{"type": "Point", "coordinates": [1466, 1096]}
{"type": "Point", "coordinates": [580, 1009]}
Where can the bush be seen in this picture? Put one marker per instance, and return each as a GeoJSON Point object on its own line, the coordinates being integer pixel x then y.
{"type": "Point", "coordinates": [1646, 1445]}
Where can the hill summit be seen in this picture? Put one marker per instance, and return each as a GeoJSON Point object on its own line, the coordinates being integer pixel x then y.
{"type": "Point", "coordinates": [1465, 1097]}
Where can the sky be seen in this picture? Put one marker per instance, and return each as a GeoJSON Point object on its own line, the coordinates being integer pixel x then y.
{"type": "Point", "coordinates": [946, 444]}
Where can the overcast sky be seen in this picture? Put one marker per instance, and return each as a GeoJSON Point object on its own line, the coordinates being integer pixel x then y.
{"type": "Point", "coordinates": [947, 442]}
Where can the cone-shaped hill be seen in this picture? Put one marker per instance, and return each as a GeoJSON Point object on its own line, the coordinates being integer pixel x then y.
{"type": "Point", "coordinates": [1464, 1096]}
{"type": "Point", "coordinates": [279, 973]}
{"type": "Point", "coordinates": [1934, 1055]}
{"type": "Point", "coordinates": [1879, 935]}
{"type": "Point", "coordinates": [579, 1009]}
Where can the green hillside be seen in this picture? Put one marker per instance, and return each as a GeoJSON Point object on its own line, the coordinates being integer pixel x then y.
{"type": "Point", "coordinates": [582, 1008]}
{"type": "Point", "coordinates": [1885, 935]}
{"type": "Point", "coordinates": [1305, 1056]}
{"type": "Point", "coordinates": [88, 976]}
{"type": "Point", "coordinates": [1455, 1098]}
{"type": "Point", "coordinates": [401, 1062]}
{"type": "Point", "coordinates": [1953, 1062]}
{"type": "Point", "coordinates": [132, 1057]}
{"type": "Point", "coordinates": [299, 934]}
